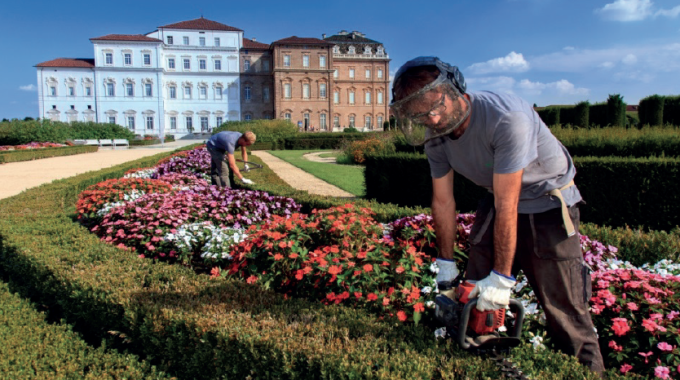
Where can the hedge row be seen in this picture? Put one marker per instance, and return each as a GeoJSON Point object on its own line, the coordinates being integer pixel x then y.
{"type": "Point", "coordinates": [610, 113]}
{"type": "Point", "coordinates": [151, 142]}
{"type": "Point", "coordinates": [659, 110]}
{"type": "Point", "coordinates": [21, 132]}
{"type": "Point", "coordinates": [35, 154]}
{"type": "Point", "coordinates": [618, 191]}
{"type": "Point", "coordinates": [33, 348]}
{"type": "Point", "coordinates": [195, 327]}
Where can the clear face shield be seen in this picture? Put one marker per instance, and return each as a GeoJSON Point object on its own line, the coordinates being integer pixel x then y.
{"type": "Point", "coordinates": [435, 110]}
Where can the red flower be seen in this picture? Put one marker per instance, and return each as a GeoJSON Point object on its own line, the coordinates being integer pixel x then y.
{"type": "Point", "coordinates": [215, 272]}
{"type": "Point", "coordinates": [386, 301]}
{"type": "Point", "coordinates": [299, 274]}
{"type": "Point", "coordinates": [400, 269]}
{"type": "Point", "coordinates": [252, 279]}
{"type": "Point", "coordinates": [278, 256]}
{"type": "Point", "coordinates": [293, 255]}
{"type": "Point", "coordinates": [335, 269]}
{"type": "Point", "coordinates": [368, 268]}
{"type": "Point", "coordinates": [620, 326]}
{"type": "Point", "coordinates": [357, 295]}
{"type": "Point", "coordinates": [419, 307]}
{"type": "Point", "coordinates": [402, 316]}
{"type": "Point", "coordinates": [372, 297]}
{"type": "Point", "coordinates": [282, 244]}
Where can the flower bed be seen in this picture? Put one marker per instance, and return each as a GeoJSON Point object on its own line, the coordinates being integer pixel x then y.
{"type": "Point", "coordinates": [31, 145]}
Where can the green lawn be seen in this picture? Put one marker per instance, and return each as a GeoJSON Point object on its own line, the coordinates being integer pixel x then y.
{"type": "Point", "coordinates": [348, 178]}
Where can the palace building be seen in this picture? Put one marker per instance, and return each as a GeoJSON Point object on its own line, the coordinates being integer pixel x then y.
{"type": "Point", "coordinates": [194, 75]}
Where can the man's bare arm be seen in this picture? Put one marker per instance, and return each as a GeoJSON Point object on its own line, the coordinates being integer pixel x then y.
{"type": "Point", "coordinates": [232, 165]}
{"type": "Point", "coordinates": [506, 189]}
{"type": "Point", "coordinates": [444, 214]}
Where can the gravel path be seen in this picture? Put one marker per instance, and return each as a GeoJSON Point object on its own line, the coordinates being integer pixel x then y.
{"type": "Point", "coordinates": [299, 178]}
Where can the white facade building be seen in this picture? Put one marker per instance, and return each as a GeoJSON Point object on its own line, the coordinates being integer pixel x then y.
{"type": "Point", "coordinates": [178, 78]}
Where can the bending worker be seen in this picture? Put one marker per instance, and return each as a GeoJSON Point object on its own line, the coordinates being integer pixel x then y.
{"type": "Point", "coordinates": [226, 143]}
{"type": "Point", "coordinates": [530, 218]}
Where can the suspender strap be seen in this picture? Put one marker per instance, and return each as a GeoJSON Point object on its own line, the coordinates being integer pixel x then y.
{"type": "Point", "coordinates": [565, 212]}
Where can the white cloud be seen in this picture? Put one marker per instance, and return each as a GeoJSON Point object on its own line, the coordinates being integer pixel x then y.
{"type": "Point", "coordinates": [671, 13]}
{"type": "Point", "coordinates": [525, 87]}
{"type": "Point", "coordinates": [28, 87]}
{"type": "Point", "coordinates": [606, 65]}
{"type": "Point", "coordinates": [560, 87]}
{"type": "Point", "coordinates": [568, 48]}
{"type": "Point", "coordinates": [513, 62]}
{"type": "Point", "coordinates": [626, 10]}
{"type": "Point", "coordinates": [629, 59]}
{"type": "Point", "coordinates": [500, 83]}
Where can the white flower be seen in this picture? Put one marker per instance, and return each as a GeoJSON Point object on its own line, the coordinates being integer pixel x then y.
{"type": "Point", "coordinates": [434, 268]}
{"type": "Point", "coordinates": [430, 304]}
{"type": "Point", "coordinates": [537, 342]}
{"type": "Point", "coordinates": [426, 290]}
{"type": "Point", "coordinates": [440, 333]}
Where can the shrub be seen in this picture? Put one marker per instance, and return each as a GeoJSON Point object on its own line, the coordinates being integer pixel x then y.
{"type": "Point", "coordinates": [358, 150]}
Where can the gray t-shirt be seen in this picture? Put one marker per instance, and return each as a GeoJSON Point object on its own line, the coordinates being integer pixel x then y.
{"type": "Point", "coordinates": [506, 135]}
{"type": "Point", "coordinates": [226, 141]}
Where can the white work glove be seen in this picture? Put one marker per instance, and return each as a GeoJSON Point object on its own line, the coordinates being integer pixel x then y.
{"type": "Point", "coordinates": [448, 271]}
{"type": "Point", "coordinates": [247, 181]}
{"type": "Point", "coordinates": [493, 291]}
{"type": "Point", "coordinates": [246, 167]}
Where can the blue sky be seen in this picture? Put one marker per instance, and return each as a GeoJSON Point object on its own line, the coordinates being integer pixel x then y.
{"type": "Point", "coordinates": [547, 51]}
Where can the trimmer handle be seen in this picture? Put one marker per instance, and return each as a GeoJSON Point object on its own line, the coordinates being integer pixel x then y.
{"type": "Point", "coordinates": [514, 304]}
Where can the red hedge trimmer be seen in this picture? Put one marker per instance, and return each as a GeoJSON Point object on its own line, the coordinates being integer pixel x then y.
{"type": "Point", "coordinates": [246, 166]}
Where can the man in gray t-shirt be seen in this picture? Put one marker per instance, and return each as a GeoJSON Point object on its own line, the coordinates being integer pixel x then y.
{"type": "Point", "coordinates": [529, 220]}
{"type": "Point", "coordinates": [225, 143]}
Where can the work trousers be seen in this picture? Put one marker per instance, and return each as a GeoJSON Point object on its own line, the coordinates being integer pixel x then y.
{"type": "Point", "coordinates": [554, 266]}
{"type": "Point", "coordinates": [219, 170]}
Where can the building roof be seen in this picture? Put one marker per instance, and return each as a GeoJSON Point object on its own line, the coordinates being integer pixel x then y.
{"type": "Point", "coordinates": [295, 40]}
{"type": "Point", "coordinates": [125, 37]}
{"type": "Point", "coordinates": [250, 44]}
{"type": "Point", "coordinates": [68, 62]}
{"type": "Point", "coordinates": [202, 24]}
{"type": "Point", "coordinates": [353, 37]}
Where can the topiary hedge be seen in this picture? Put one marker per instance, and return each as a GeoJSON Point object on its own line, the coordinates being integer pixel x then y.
{"type": "Point", "coordinates": [35, 154]}
{"type": "Point", "coordinates": [21, 132]}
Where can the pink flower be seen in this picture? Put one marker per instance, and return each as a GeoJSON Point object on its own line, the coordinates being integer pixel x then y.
{"type": "Point", "coordinates": [614, 346]}
{"type": "Point", "coordinates": [661, 372]}
{"type": "Point", "coordinates": [632, 306]}
{"type": "Point", "coordinates": [663, 346]}
{"type": "Point", "coordinates": [649, 325]}
{"type": "Point", "coordinates": [625, 368]}
{"type": "Point", "coordinates": [645, 355]}
{"type": "Point", "coordinates": [671, 316]}
{"type": "Point", "coordinates": [656, 317]}
{"type": "Point", "coordinates": [620, 326]}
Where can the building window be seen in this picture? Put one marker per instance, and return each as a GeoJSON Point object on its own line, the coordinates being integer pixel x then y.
{"type": "Point", "coordinates": [380, 122]}
{"type": "Point", "coordinates": [71, 91]}
{"type": "Point", "coordinates": [173, 92]}
{"type": "Point", "coordinates": [201, 64]}
{"type": "Point", "coordinates": [246, 92]}
{"type": "Point", "coordinates": [322, 61]}
{"type": "Point", "coordinates": [112, 120]}
{"type": "Point", "coordinates": [368, 73]}
{"type": "Point", "coordinates": [149, 123]}
{"type": "Point", "coordinates": [246, 65]}
{"type": "Point", "coordinates": [171, 63]}
{"type": "Point", "coordinates": [169, 40]}
{"type": "Point", "coordinates": [203, 92]}
{"type": "Point", "coordinates": [367, 122]}
{"type": "Point", "coordinates": [306, 123]}
{"type": "Point", "coordinates": [286, 60]}
{"type": "Point", "coordinates": [110, 90]}
{"type": "Point", "coordinates": [218, 92]}
{"type": "Point", "coordinates": [380, 97]}
{"type": "Point", "coordinates": [322, 121]}
{"type": "Point", "coordinates": [185, 40]}
{"type": "Point", "coordinates": [305, 61]}
{"type": "Point", "coordinates": [380, 73]}
{"type": "Point", "coordinates": [336, 121]}
{"type": "Point", "coordinates": [336, 97]}
{"type": "Point", "coordinates": [129, 89]}
{"type": "Point", "coordinates": [173, 122]}
{"type": "Point", "coordinates": [322, 90]}
{"type": "Point", "coordinates": [335, 73]}
{"type": "Point", "coordinates": [187, 64]}
{"type": "Point", "coordinates": [218, 120]}
{"type": "Point", "coordinates": [109, 58]}
{"type": "Point", "coordinates": [265, 94]}
{"type": "Point", "coordinates": [53, 91]}
{"type": "Point", "coordinates": [351, 97]}
{"type": "Point", "coordinates": [265, 65]}
{"type": "Point", "coordinates": [218, 65]}
{"type": "Point", "coordinates": [131, 123]}
{"type": "Point", "coordinates": [286, 91]}
{"type": "Point", "coordinates": [305, 90]}
{"type": "Point", "coordinates": [248, 117]}
{"type": "Point", "coordinates": [351, 121]}
{"type": "Point", "coordinates": [351, 73]}
{"type": "Point", "coordinates": [204, 123]}
{"type": "Point", "coordinates": [189, 123]}
{"type": "Point", "coordinates": [201, 41]}
{"type": "Point", "coordinates": [368, 98]}
{"type": "Point", "coordinates": [217, 41]}
{"type": "Point", "coordinates": [147, 59]}
{"type": "Point", "coordinates": [187, 92]}
{"type": "Point", "coordinates": [287, 116]}
{"type": "Point", "coordinates": [147, 89]}
{"type": "Point", "coordinates": [128, 59]}
{"type": "Point", "coordinates": [88, 91]}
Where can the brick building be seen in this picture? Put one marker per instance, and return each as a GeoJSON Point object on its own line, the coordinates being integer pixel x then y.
{"type": "Point", "coordinates": [257, 96]}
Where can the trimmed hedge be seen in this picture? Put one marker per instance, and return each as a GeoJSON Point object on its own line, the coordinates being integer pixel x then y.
{"type": "Point", "coordinates": [618, 191]}
{"type": "Point", "coordinates": [195, 327]}
{"type": "Point", "coordinates": [21, 132]}
{"type": "Point", "coordinates": [150, 142]}
{"type": "Point", "coordinates": [32, 348]}
{"type": "Point", "coordinates": [620, 141]}
{"type": "Point", "coordinates": [650, 110]}
{"type": "Point", "coordinates": [36, 154]}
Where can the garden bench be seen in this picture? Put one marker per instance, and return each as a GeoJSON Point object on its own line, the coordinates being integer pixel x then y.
{"type": "Point", "coordinates": [106, 142]}
{"type": "Point", "coordinates": [92, 142]}
{"type": "Point", "coordinates": [120, 142]}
